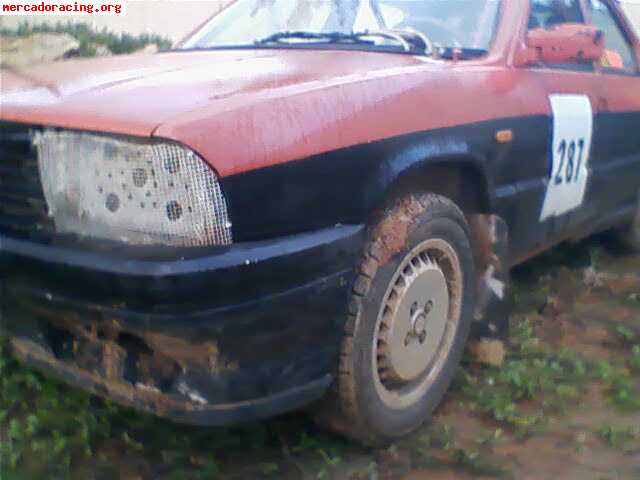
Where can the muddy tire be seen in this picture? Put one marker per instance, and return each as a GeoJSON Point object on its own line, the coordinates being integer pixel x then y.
{"type": "Point", "coordinates": [409, 317]}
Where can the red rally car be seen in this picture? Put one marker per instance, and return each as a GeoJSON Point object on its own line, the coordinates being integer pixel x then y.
{"type": "Point", "coordinates": [308, 204]}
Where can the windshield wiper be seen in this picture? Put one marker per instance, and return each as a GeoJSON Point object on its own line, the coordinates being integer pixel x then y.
{"type": "Point", "coordinates": [328, 37]}
{"type": "Point", "coordinates": [408, 42]}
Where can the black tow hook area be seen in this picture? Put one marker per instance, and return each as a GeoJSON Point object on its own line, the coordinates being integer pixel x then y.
{"type": "Point", "coordinates": [494, 295]}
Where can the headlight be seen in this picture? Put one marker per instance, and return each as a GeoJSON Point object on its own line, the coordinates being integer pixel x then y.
{"type": "Point", "coordinates": [135, 191]}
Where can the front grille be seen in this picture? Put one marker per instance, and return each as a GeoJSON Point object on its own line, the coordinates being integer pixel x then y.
{"type": "Point", "coordinates": [23, 209]}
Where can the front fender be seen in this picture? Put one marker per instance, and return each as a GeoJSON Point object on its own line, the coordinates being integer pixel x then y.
{"type": "Point", "coordinates": [345, 186]}
{"type": "Point", "coordinates": [420, 161]}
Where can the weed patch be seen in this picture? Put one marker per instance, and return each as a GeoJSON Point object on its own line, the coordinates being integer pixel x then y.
{"type": "Point", "coordinates": [620, 437]}
{"type": "Point", "coordinates": [534, 382]}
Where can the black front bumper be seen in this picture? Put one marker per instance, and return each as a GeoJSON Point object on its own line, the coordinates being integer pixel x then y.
{"type": "Point", "coordinates": [236, 334]}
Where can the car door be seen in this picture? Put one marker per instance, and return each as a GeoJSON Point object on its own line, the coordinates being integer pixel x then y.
{"type": "Point", "coordinates": [574, 98]}
{"type": "Point", "coordinates": [616, 150]}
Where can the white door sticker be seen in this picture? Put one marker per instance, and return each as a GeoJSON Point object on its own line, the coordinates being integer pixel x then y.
{"type": "Point", "coordinates": [572, 132]}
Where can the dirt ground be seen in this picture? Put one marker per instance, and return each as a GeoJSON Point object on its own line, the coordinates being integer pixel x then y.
{"type": "Point", "coordinates": [565, 404]}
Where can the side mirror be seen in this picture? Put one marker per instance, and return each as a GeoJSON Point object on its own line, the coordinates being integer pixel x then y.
{"type": "Point", "coordinates": [564, 43]}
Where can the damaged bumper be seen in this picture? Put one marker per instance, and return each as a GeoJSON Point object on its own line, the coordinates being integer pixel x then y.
{"type": "Point", "coordinates": [237, 334]}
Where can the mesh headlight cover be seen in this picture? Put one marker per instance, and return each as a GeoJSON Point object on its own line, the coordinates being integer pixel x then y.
{"type": "Point", "coordinates": [137, 192]}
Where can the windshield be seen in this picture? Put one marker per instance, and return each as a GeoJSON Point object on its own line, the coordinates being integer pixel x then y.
{"type": "Point", "coordinates": [464, 24]}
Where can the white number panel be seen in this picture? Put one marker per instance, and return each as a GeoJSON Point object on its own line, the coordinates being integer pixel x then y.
{"type": "Point", "coordinates": [572, 132]}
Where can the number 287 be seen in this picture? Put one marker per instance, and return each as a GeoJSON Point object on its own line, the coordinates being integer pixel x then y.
{"type": "Point", "coordinates": [569, 167]}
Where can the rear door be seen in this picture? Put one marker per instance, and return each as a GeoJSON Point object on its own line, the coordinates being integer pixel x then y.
{"type": "Point", "coordinates": [574, 98]}
{"type": "Point", "coordinates": [616, 152]}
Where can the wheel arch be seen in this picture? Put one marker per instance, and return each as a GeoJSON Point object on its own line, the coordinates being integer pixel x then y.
{"type": "Point", "coordinates": [461, 177]}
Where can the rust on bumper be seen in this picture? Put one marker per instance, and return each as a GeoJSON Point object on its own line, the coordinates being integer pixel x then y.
{"type": "Point", "coordinates": [151, 400]}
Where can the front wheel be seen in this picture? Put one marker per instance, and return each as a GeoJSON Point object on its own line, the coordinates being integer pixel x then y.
{"type": "Point", "coordinates": [410, 316]}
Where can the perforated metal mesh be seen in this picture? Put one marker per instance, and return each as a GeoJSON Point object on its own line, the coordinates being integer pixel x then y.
{"type": "Point", "coordinates": [133, 191]}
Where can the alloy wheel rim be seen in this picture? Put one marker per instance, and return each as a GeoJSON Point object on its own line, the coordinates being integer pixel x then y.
{"type": "Point", "coordinates": [417, 322]}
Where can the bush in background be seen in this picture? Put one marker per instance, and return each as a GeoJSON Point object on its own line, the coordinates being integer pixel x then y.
{"type": "Point", "coordinates": [90, 39]}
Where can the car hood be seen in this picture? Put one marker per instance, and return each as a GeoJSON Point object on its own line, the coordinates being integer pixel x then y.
{"type": "Point", "coordinates": [136, 94]}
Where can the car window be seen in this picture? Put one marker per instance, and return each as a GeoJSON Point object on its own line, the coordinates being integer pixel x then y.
{"type": "Point", "coordinates": [619, 55]}
{"type": "Point", "coordinates": [454, 23]}
{"type": "Point", "coordinates": [550, 13]}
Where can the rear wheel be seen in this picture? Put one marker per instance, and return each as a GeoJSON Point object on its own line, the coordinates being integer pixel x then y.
{"type": "Point", "coordinates": [410, 315]}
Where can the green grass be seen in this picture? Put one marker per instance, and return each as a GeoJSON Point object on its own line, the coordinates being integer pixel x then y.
{"type": "Point", "coordinates": [439, 446]}
{"type": "Point", "coordinates": [634, 361]}
{"type": "Point", "coordinates": [46, 420]}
